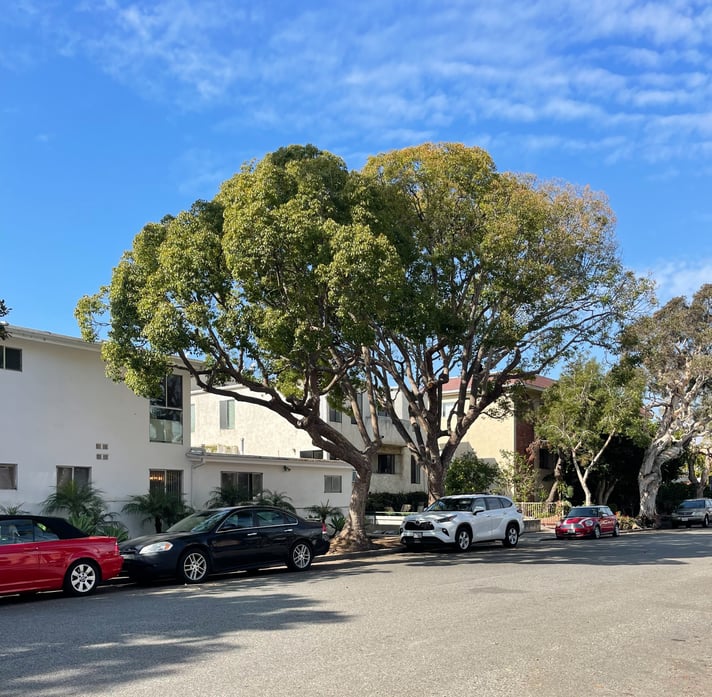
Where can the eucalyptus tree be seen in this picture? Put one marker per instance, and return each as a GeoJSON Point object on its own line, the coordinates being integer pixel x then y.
{"type": "Point", "coordinates": [270, 286]}
{"type": "Point", "coordinates": [674, 348]}
{"type": "Point", "coordinates": [505, 277]}
{"type": "Point", "coordinates": [585, 410]}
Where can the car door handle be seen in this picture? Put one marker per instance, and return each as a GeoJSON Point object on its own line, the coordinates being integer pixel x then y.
{"type": "Point", "coordinates": [251, 534]}
{"type": "Point", "coordinates": [289, 530]}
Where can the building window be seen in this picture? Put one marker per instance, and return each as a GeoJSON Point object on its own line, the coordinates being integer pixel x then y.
{"type": "Point", "coordinates": [165, 482]}
{"type": "Point", "coordinates": [334, 415]}
{"type": "Point", "coordinates": [386, 464]}
{"type": "Point", "coordinates": [81, 476]}
{"type": "Point", "coordinates": [447, 408]}
{"type": "Point", "coordinates": [312, 454]}
{"type": "Point", "coordinates": [414, 471]}
{"type": "Point", "coordinates": [167, 412]}
{"type": "Point", "coordinates": [8, 476]}
{"type": "Point", "coordinates": [10, 358]}
{"type": "Point", "coordinates": [332, 483]}
{"type": "Point", "coordinates": [227, 414]}
{"type": "Point", "coordinates": [248, 484]}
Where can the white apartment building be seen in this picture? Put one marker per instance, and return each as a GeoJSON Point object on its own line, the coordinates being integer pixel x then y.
{"type": "Point", "coordinates": [223, 426]}
{"type": "Point", "coordinates": [62, 419]}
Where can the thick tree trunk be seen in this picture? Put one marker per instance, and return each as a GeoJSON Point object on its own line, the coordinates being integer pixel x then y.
{"type": "Point", "coordinates": [558, 479]}
{"type": "Point", "coordinates": [649, 479]}
{"type": "Point", "coordinates": [436, 481]}
{"type": "Point", "coordinates": [353, 537]}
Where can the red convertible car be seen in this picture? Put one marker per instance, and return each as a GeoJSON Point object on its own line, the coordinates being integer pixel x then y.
{"type": "Point", "coordinates": [42, 553]}
{"type": "Point", "coordinates": [588, 521]}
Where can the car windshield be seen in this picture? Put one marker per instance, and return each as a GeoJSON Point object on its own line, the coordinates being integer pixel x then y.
{"type": "Point", "coordinates": [451, 505]}
{"type": "Point", "coordinates": [198, 522]}
{"type": "Point", "coordinates": [582, 512]}
{"type": "Point", "coordinates": [692, 504]}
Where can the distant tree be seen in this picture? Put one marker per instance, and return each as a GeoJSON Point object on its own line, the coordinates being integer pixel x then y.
{"type": "Point", "coordinates": [468, 474]}
{"type": "Point", "coordinates": [4, 311]}
{"type": "Point", "coordinates": [521, 478]}
{"type": "Point", "coordinates": [585, 410]}
{"type": "Point", "coordinates": [673, 346]}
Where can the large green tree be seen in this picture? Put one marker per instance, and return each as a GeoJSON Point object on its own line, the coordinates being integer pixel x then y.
{"type": "Point", "coordinates": [583, 413]}
{"type": "Point", "coordinates": [303, 281]}
{"type": "Point", "coordinates": [505, 277]}
{"type": "Point", "coordinates": [273, 286]}
{"type": "Point", "coordinates": [674, 348]}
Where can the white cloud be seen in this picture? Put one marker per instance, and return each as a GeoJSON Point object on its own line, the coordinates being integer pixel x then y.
{"type": "Point", "coordinates": [680, 277]}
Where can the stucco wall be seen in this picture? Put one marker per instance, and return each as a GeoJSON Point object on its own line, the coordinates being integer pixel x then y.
{"type": "Point", "coordinates": [60, 407]}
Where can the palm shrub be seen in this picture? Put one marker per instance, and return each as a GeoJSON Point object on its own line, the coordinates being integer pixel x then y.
{"type": "Point", "coordinates": [14, 509]}
{"type": "Point", "coordinates": [160, 508]}
{"type": "Point", "coordinates": [275, 498]}
{"type": "Point", "coordinates": [85, 508]}
{"type": "Point", "coordinates": [227, 495]}
{"type": "Point", "coordinates": [323, 511]}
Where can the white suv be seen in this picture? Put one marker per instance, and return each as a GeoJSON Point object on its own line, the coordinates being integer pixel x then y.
{"type": "Point", "coordinates": [463, 519]}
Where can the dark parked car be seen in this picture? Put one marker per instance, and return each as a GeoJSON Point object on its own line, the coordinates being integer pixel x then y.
{"type": "Point", "coordinates": [588, 521]}
{"type": "Point", "coordinates": [225, 539]}
{"type": "Point", "coordinates": [693, 511]}
{"type": "Point", "coordinates": [44, 553]}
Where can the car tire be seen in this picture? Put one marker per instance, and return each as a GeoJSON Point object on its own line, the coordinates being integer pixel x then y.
{"type": "Point", "coordinates": [673, 526]}
{"type": "Point", "coordinates": [616, 530]}
{"type": "Point", "coordinates": [706, 522]}
{"type": "Point", "coordinates": [596, 534]}
{"type": "Point", "coordinates": [511, 536]}
{"type": "Point", "coordinates": [409, 544]}
{"type": "Point", "coordinates": [300, 556]}
{"type": "Point", "coordinates": [463, 539]}
{"type": "Point", "coordinates": [193, 566]}
{"type": "Point", "coordinates": [82, 578]}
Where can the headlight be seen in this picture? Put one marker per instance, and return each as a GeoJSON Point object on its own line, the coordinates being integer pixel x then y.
{"type": "Point", "coordinates": [588, 523]}
{"type": "Point", "coordinates": [447, 519]}
{"type": "Point", "coordinates": [156, 547]}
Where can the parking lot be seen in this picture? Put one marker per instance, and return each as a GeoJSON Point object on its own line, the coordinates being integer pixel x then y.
{"type": "Point", "coordinates": [616, 616]}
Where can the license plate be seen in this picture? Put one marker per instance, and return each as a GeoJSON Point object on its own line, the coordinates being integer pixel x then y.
{"type": "Point", "coordinates": [684, 520]}
{"type": "Point", "coordinates": [418, 535]}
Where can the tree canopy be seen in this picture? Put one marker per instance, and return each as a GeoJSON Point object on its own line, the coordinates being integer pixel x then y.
{"type": "Point", "coordinates": [587, 408]}
{"type": "Point", "coordinates": [303, 280]}
{"type": "Point", "coordinates": [673, 346]}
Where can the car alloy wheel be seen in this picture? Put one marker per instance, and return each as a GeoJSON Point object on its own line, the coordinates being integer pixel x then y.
{"type": "Point", "coordinates": [463, 540]}
{"type": "Point", "coordinates": [616, 530]}
{"type": "Point", "coordinates": [193, 566]}
{"type": "Point", "coordinates": [300, 556]}
{"type": "Point", "coordinates": [511, 537]}
{"type": "Point", "coordinates": [82, 578]}
{"type": "Point", "coordinates": [597, 532]}
{"type": "Point", "coordinates": [706, 522]}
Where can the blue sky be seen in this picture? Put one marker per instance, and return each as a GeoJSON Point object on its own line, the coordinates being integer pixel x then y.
{"type": "Point", "coordinates": [114, 113]}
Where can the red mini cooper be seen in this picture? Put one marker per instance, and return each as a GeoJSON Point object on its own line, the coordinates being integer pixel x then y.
{"type": "Point", "coordinates": [588, 521]}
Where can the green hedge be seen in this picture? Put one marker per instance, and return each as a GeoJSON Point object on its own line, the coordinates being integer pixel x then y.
{"type": "Point", "coordinates": [382, 500]}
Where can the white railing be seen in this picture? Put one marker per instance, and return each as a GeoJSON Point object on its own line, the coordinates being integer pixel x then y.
{"type": "Point", "coordinates": [540, 509]}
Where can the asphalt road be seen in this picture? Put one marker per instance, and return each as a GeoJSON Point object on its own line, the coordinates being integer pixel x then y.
{"type": "Point", "coordinates": [625, 616]}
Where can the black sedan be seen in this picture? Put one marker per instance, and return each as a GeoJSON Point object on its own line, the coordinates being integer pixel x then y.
{"type": "Point", "coordinates": [225, 539]}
